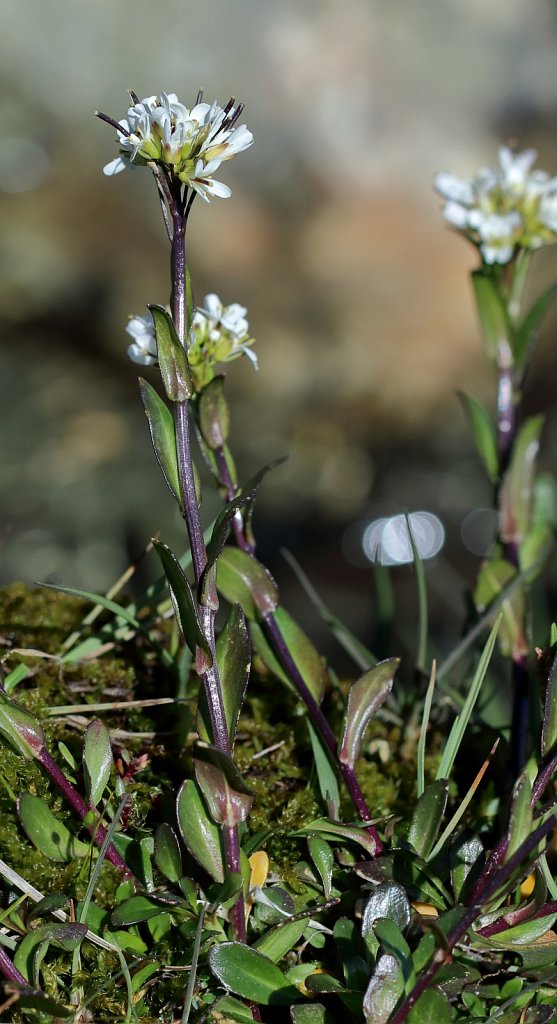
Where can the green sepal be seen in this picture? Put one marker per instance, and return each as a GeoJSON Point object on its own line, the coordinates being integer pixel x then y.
{"type": "Point", "coordinates": [243, 580]}
{"type": "Point", "coordinates": [492, 311]}
{"type": "Point", "coordinates": [173, 361]}
{"type": "Point", "coordinates": [250, 974]}
{"type": "Point", "coordinates": [233, 662]}
{"type": "Point", "coordinates": [517, 489]}
{"type": "Point", "coordinates": [214, 414]}
{"type": "Point", "coordinates": [365, 698]}
{"type": "Point", "coordinates": [163, 437]}
{"type": "Point", "coordinates": [201, 836]}
{"type": "Point", "coordinates": [97, 760]}
{"type": "Point", "coordinates": [228, 798]}
{"type": "Point", "coordinates": [484, 434]}
{"type": "Point", "coordinates": [427, 817]}
{"type": "Point", "coordinates": [20, 728]}
{"type": "Point", "coordinates": [183, 602]}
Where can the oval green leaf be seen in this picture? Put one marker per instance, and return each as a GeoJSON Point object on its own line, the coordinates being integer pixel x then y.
{"type": "Point", "coordinates": [163, 436]}
{"type": "Point", "coordinates": [249, 974]}
{"type": "Point", "coordinates": [168, 857]}
{"type": "Point", "coordinates": [242, 580]}
{"type": "Point", "coordinates": [173, 361]}
{"type": "Point", "coordinates": [49, 835]}
{"type": "Point", "coordinates": [200, 835]}
{"type": "Point", "coordinates": [427, 817]}
{"type": "Point", "coordinates": [366, 696]}
{"type": "Point", "coordinates": [97, 760]}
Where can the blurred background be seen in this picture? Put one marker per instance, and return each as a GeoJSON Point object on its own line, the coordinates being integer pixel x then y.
{"type": "Point", "coordinates": [358, 295]}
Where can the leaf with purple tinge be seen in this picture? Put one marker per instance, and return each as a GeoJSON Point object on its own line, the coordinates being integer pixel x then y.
{"type": "Point", "coordinates": [365, 698]}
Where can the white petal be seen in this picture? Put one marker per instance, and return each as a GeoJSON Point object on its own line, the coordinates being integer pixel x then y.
{"type": "Point", "coordinates": [115, 166]}
{"type": "Point", "coordinates": [251, 356]}
{"type": "Point", "coordinates": [453, 188]}
{"type": "Point", "coordinates": [137, 355]}
{"type": "Point", "coordinates": [456, 215]}
{"type": "Point", "coordinates": [212, 307]}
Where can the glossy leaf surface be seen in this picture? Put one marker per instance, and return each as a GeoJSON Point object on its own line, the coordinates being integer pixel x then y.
{"type": "Point", "coordinates": [427, 817]}
{"type": "Point", "coordinates": [20, 728]}
{"type": "Point", "coordinates": [242, 580]}
{"type": "Point", "coordinates": [250, 974]}
{"type": "Point", "coordinates": [214, 414]}
{"type": "Point", "coordinates": [384, 990]}
{"type": "Point", "coordinates": [388, 900]}
{"type": "Point", "coordinates": [183, 601]}
{"type": "Point", "coordinates": [227, 796]}
{"type": "Point", "coordinates": [199, 833]}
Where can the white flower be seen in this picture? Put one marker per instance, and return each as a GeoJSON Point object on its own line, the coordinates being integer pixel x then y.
{"type": "Point", "coordinates": [143, 349]}
{"type": "Point", "coordinates": [232, 318]}
{"type": "Point", "coordinates": [191, 144]}
{"type": "Point", "coordinates": [219, 334]}
{"type": "Point", "coordinates": [502, 209]}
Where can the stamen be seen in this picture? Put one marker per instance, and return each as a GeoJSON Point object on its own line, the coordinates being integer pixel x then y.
{"type": "Point", "coordinates": [133, 95]}
{"type": "Point", "coordinates": [239, 110]}
{"type": "Point", "coordinates": [110, 120]}
{"type": "Point", "coordinates": [199, 96]}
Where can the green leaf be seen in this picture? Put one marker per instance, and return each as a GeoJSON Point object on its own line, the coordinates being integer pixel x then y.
{"type": "Point", "coordinates": [183, 602]}
{"type": "Point", "coordinates": [387, 900]}
{"type": "Point", "coordinates": [135, 910]}
{"type": "Point", "coordinates": [50, 836]}
{"type": "Point", "coordinates": [227, 796]}
{"type": "Point", "coordinates": [493, 577]}
{"type": "Point", "coordinates": [163, 437]}
{"type": "Point", "coordinates": [431, 1006]}
{"type": "Point", "coordinates": [32, 948]}
{"type": "Point", "coordinates": [215, 547]}
{"type": "Point", "coordinates": [516, 494]}
{"type": "Point", "coordinates": [97, 760]}
{"type": "Point", "coordinates": [521, 816]}
{"type": "Point", "coordinates": [549, 727]}
{"type": "Point", "coordinates": [250, 974]}
{"type": "Point", "coordinates": [278, 941]}
{"type": "Point", "coordinates": [325, 771]}
{"type": "Point", "coordinates": [242, 580]}
{"type": "Point", "coordinates": [173, 361]}
{"type": "Point", "coordinates": [227, 1008]}
{"type": "Point", "coordinates": [168, 857]}
{"type": "Point", "coordinates": [312, 1013]}
{"type": "Point", "coordinates": [21, 729]}
{"type": "Point", "coordinates": [334, 830]}
{"type": "Point", "coordinates": [199, 833]}
{"type": "Point", "coordinates": [16, 675]}
{"type": "Point", "coordinates": [214, 414]}
{"type": "Point", "coordinates": [384, 990]}
{"type": "Point", "coordinates": [466, 858]}
{"type": "Point", "coordinates": [366, 696]}
{"type": "Point", "coordinates": [530, 325]}
{"type": "Point", "coordinates": [493, 314]}
{"type": "Point", "coordinates": [392, 941]}
{"type": "Point", "coordinates": [322, 856]}
{"type": "Point", "coordinates": [427, 817]}
{"type": "Point", "coordinates": [535, 550]}
{"type": "Point", "coordinates": [484, 434]}
{"type": "Point", "coordinates": [460, 723]}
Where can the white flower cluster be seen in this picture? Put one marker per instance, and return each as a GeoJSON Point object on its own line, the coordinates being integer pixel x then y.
{"type": "Point", "coordinates": [219, 334]}
{"type": "Point", "coordinates": [503, 209]}
{"type": "Point", "coordinates": [191, 143]}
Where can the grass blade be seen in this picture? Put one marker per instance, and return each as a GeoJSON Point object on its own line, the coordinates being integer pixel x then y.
{"type": "Point", "coordinates": [423, 730]}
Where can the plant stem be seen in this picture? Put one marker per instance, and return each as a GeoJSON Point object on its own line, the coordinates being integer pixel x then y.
{"type": "Point", "coordinates": [96, 830]}
{"type": "Point", "coordinates": [208, 673]}
{"type": "Point", "coordinates": [272, 629]}
{"type": "Point", "coordinates": [281, 649]}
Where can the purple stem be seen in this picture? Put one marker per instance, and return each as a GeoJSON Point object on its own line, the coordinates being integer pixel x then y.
{"type": "Point", "coordinates": [209, 675]}
{"type": "Point", "coordinates": [321, 724]}
{"type": "Point", "coordinates": [283, 653]}
{"type": "Point", "coordinates": [9, 970]}
{"type": "Point", "coordinates": [517, 917]}
{"type": "Point", "coordinates": [97, 831]}
{"type": "Point", "coordinates": [473, 911]}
